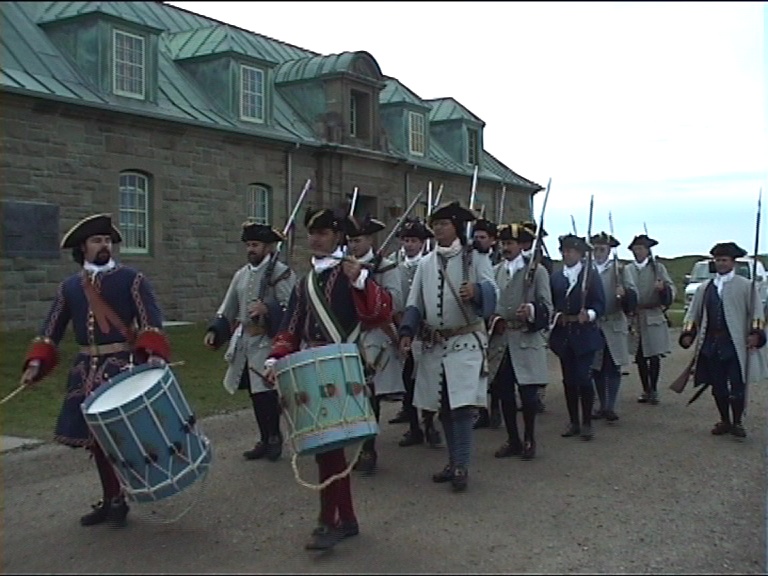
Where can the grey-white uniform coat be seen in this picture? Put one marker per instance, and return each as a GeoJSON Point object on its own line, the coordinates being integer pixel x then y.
{"type": "Point", "coordinates": [527, 350]}
{"type": "Point", "coordinates": [650, 323]}
{"type": "Point", "coordinates": [614, 324]}
{"type": "Point", "coordinates": [461, 358]}
{"type": "Point", "coordinates": [243, 289]}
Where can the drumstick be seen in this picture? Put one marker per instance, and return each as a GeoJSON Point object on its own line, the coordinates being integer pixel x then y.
{"type": "Point", "coordinates": [12, 394]}
{"type": "Point", "coordinates": [267, 380]}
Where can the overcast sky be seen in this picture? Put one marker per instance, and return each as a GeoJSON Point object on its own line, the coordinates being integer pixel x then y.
{"type": "Point", "coordinates": [657, 109]}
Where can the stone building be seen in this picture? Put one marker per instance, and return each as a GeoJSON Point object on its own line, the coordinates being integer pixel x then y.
{"type": "Point", "coordinates": [183, 127]}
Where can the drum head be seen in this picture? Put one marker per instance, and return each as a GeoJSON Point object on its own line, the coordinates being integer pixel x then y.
{"type": "Point", "coordinates": [124, 390]}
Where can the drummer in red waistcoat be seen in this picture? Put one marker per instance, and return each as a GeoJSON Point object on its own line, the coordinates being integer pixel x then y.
{"type": "Point", "coordinates": [341, 281]}
{"type": "Point", "coordinates": [116, 320]}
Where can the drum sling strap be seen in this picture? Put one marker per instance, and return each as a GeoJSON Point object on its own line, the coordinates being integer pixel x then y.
{"type": "Point", "coordinates": [103, 314]}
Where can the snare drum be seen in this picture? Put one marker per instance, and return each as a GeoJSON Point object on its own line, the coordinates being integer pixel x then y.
{"type": "Point", "coordinates": [325, 399]}
{"type": "Point", "coordinates": [143, 423]}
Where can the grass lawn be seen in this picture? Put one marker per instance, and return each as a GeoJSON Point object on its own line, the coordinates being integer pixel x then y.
{"type": "Point", "coordinates": [33, 412]}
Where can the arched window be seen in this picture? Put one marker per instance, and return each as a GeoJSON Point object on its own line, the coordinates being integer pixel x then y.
{"type": "Point", "coordinates": [258, 203]}
{"type": "Point", "coordinates": [134, 212]}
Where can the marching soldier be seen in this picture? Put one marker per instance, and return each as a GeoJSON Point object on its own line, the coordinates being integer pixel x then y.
{"type": "Point", "coordinates": [378, 343]}
{"type": "Point", "coordinates": [254, 305]}
{"type": "Point", "coordinates": [729, 338]}
{"type": "Point", "coordinates": [413, 235]}
{"type": "Point", "coordinates": [485, 241]}
{"type": "Point", "coordinates": [621, 299]}
{"type": "Point", "coordinates": [451, 295]}
{"type": "Point", "coordinates": [518, 338]}
{"type": "Point", "coordinates": [655, 292]}
{"type": "Point", "coordinates": [579, 300]}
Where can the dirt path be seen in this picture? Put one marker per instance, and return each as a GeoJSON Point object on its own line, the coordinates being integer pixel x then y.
{"type": "Point", "coordinates": [655, 492]}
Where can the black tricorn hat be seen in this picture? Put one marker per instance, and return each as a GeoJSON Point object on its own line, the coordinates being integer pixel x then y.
{"type": "Point", "coordinates": [728, 249]}
{"type": "Point", "coordinates": [367, 226]}
{"type": "Point", "coordinates": [573, 241]}
{"type": "Point", "coordinates": [91, 226]}
{"type": "Point", "coordinates": [515, 231]}
{"type": "Point", "coordinates": [642, 240]}
{"type": "Point", "coordinates": [605, 238]}
{"type": "Point", "coordinates": [414, 228]}
{"type": "Point", "coordinates": [532, 227]}
{"type": "Point", "coordinates": [324, 218]}
{"type": "Point", "coordinates": [452, 211]}
{"type": "Point", "coordinates": [253, 232]}
{"type": "Point", "coordinates": [483, 225]}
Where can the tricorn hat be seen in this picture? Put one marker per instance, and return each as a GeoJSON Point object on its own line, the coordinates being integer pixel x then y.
{"type": "Point", "coordinates": [253, 232]}
{"type": "Point", "coordinates": [452, 211]}
{"type": "Point", "coordinates": [642, 240]}
{"type": "Point", "coordinates": [324, 218]}
{"type": "Point", "coordinates": [516, 232]}
{"type": "Point", "coordinates": [728, 249]}
{"type": "Point", "coordinates": [605, 238]}
{"type": "Point", "coordinates": [365, 227]}
{"type": "Point", "coordinates": [91, 226]}
{"type": "Point", "coordinates": [414, 228]}
{"type": "Point", "coordinates": [573, 241]}
{"type": "Point", "coordinates": [532, 227]}
{"type": "Point", "coordinates": [483, 225]}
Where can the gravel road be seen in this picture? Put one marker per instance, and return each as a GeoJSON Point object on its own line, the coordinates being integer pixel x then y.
{"type": "Point", "coordinates": [653, 493]}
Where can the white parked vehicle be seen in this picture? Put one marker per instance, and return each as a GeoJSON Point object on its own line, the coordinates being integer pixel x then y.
{"type": "Point", "coordinates": [703, 270]}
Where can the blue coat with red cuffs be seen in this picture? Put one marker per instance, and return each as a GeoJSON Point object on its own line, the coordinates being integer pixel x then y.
{"type": "Point", "coordinates": [105, 350]}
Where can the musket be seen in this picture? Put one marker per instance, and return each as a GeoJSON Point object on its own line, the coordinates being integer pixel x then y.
{"type": "Point", "coordinates": [573, 225]}
{"type": "Point", "coordinates": [353, 203]}
{"type": "Point", "coordinates": [500, 215]}
{"type": "Point", "coordinates": [437, 198]}
{"type": "Point", "coordinates": [269, 270]}
{"type": "Point", "coordinates": [536, 248]}
{"type": "Point", "coordinates": [651, 259]}
{"type": "Point", "coordinates": [430, 204]}
{"type": "Point", "coordinates": [377, 258]}
{"type": "Point", "coordinates": [588, 265]}
{"type": "Point", "coordinates": [472, 196]}
{"type": "Point", "coordinates": [751, 308]}
{"type": "Point", "coordinates": [615, 252]}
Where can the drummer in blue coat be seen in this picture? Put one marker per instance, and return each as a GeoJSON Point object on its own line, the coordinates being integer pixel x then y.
{"type": "Point", "coordinates": [104, 300]}
{"type": "Point", "coordinates": [575, 336]}
{"type": "Point", "coordinates": [320, 316]}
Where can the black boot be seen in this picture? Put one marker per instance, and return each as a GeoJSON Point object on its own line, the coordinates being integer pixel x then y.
{"type": "Point", "coordinates": [274, 447]}
{"type": "Point", "coordinates": [97, 515]}
{"type": "Point", "coordinates": [412, 438]}
{"type": "Point", "coordinates": [257, 452]}
{"type": "Point", "coordinates": [114, 511]}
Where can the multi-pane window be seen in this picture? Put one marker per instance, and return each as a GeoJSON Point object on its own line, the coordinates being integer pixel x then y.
{"type": "Point", "coordinates": [257, 203]}
{"type": "Point", "coordinates": [251, 94]}
{"type": "Point", "coordinates": [473, 148]}
{"type": "Point", "coordinates": [128, 65]}
{"type": "Point", "coordinates": [134, 212]}
{"type": "Point", "coordinates": [416, 133]}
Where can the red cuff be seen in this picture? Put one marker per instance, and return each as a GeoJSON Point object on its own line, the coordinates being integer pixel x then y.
{"type": "Point", "coordinates": [282, 345]}
{"type": "Point", "coordinates": [152, 341]}
{"type": "Point", "coordinates": [44, 350]}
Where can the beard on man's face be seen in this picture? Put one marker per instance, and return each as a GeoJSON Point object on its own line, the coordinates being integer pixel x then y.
{"type": "Point", "coordinates": [102, 257]}
{"type": "Point", "coordinates": [254, 258]}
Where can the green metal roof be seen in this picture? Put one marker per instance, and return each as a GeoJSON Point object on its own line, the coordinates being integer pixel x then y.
{"type": "Point", "coordinates": [395, 92]}
{"type": "Point", "coordinates": [360, 64]}
{"type": "Point", "coordinates": [449, 109]}
{"type": "Point", "coordinates": [222, 39]}
{"type": "Point", "coordinates": [31, 64]}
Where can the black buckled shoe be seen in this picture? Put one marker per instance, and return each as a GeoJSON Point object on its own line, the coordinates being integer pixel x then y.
{"type": "Point", "coordinates": [411, 438]}
{"type": "Point", "coordinates": [349, 529]}
{"type": "Point", "coordinates": [611, 416]}
{"type": "Point", "coordinates": [721, 428]}
{"type": "Point", "coordinates": [460, 479]}
{"type": "Point", "coordinates": [509, 448]}
{"type": "Point", "coordinates": [258, 452]}
{"type": "Point", "coordinates": [586, 432]}
{"type": "Point", "coordinates": [653, 398]}
{"type": "Point", "coordinates": [571, 430]}
{"type": "Point", "coordinates": [324, 538]}
{"type": "Point", "coordinates": [445, 475]}
{"type": "Point", "coordinates": [643, 398]}
{"type": "Point", "coordinates": [529, 450]}
{"type": "Point", "coordinates": [400, 418]}
{"type": "Point", "coordinates": [117, 514]}
{"type": "Point", "coordinates": [738, 430]}
{"type": "Point", "coordinates": [97, 515]}
{"type": "Point", "coordinates": [432, 435]}
{"type": "Point", "coordinates": [598, 414]}
{"type": "Point", "coordinates": [274, 448]}
{"type": "Point", "coordinates": [366, 463]}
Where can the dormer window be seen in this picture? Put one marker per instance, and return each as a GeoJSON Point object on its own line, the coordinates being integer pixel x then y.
{"type": "Point", "coordinates": [417, 134]}
{"type": "Point", "coordinates": [251, 94]}
{"type": "Point", "coordinates": [359, 114]}
{"type": "Point", "coordinates": [473, 147]}
{"type": "Point", "coordinates": [128, 65]}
